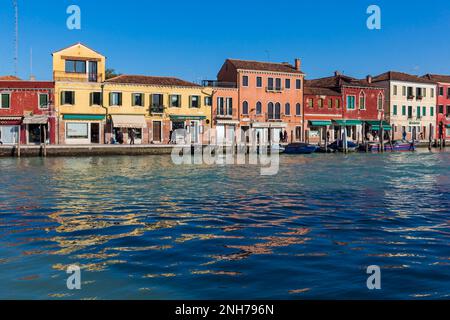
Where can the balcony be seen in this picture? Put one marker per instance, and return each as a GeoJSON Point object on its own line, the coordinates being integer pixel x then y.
{"type": "Point", "coordinates": [411, 97]}
{"type": "Point", "coordinates": [274, 89]}
{"type": "Point", "coordinates": [218, 84]}
{"type": "Point", "coordinates": [77, 77]}
{"type": "Point", "coordinates": [156, 110]}
{"type": "Point", "coordinates": [419, 97]}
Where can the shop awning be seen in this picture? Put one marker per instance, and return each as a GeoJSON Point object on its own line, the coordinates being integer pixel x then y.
{"type": "Point", "coordinates": [12, 121]}
{"type": "Point", "coordinates": [320, 123]}
{"type": "Point", "coordinates": [84, 117]}
{"type": "Point", "coordinates": [375, 125]}
{"type": "Point", "coordinates": [129, 121]}
{"type": "Point", "coordinates": [37, 119]}
{"type": "Point", "coordinates": [448, 125]}
{"type": "Point", "coordinates": [348, 122]}
{"type": "Point", "coordinates": [183, 118]}
{"type": "Point", "coordinates": [228, 122]}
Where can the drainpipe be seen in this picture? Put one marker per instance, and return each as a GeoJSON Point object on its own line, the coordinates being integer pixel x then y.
{"type": "Point", "coordinates": [106, 113]}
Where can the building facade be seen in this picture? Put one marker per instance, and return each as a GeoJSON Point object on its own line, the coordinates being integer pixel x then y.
{"type": "Point", "coordinates": [79, 72]}
{"type": "Point", "coordinates": [270, 98]}
{"type": "Point", "coordinates": [27, 113]}
{"type": "Point", "coordinates": [442, 105]}
{"type": "Point", "coordinates": [156, 107]}
{"type": "Point", "coordinates": [340, 105]}
{"type": "Point", "coordinates": [410, 105]}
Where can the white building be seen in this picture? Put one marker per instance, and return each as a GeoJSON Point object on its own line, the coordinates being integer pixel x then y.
{"type": "Point", "coordinates": [410, 105]}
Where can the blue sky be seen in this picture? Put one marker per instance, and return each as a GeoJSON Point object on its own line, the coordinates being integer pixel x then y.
{"type": "Point", "coordinates": [191, 39]}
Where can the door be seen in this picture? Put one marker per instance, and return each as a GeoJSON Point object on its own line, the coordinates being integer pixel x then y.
{"type": "Point", "coordinates": [95, 133]}
{"type": "Point", "coordinates": [157, 131]}
{"type": "Point", "coordinates": [194, 131]}
{"type": "Point", "coordinates": [93, 71]}
{"type": "Point", "coordinates": [220, 134]}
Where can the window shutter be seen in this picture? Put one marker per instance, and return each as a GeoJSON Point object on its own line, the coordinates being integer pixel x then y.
{"type": "Point", "coordinates": [143, 99]}
{"type": "Point", "coordinates": [73, 97]}
{"type": "Point", "coordinates": [91, 98]}
{"type": "Point", "coordinates": [110, 98]}
{"type": "Point", "coordinates": [62, 98]}
{"type": "Point", "coordinates": [190, 101]}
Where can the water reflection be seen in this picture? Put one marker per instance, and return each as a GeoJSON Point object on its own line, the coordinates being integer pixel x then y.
{"type": "Point", "coordinates": [140, 227]}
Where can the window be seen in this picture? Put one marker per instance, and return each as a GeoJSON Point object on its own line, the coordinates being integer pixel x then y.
{"type": "Point", "coordinates": [95, 99]}
{"type": "Point", "coordinates": [298, 109]}
{"type": "Point", "coordinates": [418, 112]}
{"type": "Point", "coordinates": [441, 109]}
{"type": "Point", "coordinates": [403, 110]}
{"type": "Point", "coordinates": [258, 108]}
{"type": "Point", "coordinates": [424, 111]}
{"type": "Point", "coordinates": [157, 105]}
{"type": "Point", "coordinates": [410, 112]}
{"type": "Point", "coordinates": [298, 84]}
{"type": "Point", "coordinates": [432, 111]}
{"type": "Point", "coordinates": [448, 111]}
{"type": "Point", "coordinates": [394, 112]}
{"type": "Point", "coordinates": [410, 92]}
{"type": "Point", "coordinates": [395, 90]}
{"type": "Point", "coordinates": [270, 84]}
{"type": "Point", "coordinates": [298, 133]}
{"type": "Point", "coordinates": [448, 92]}
{"type": "Point", "coordinates": [277, 111]}
{"type": "Point", "coordinates": [270, 110]}
{"type": "Point", "coordinates": [75, 66]}
{"type": "Point", "coordinates": [338, 104]}
{"type": "Point", "coordinates": [441, 91]}
{"type": "Point", "coordinates": [419, 92]}
{"type": "Point", "coordinates": [175, 101]}
{"type": "Point", "coordinates": [68, 97]}
{"type": "Point", "coordinates": [77, 130]}
{"type": "Point", "coordinates": [311, 103]}
{"type": "Point", "coordinates": [432, 92]}
{"type": "Point", "coordinates": [195, 102]}
{"type": "Point", "coordinates": [380, 102]}
{"type": "Point", "coordinates": [424, 92]}
{"type": "Point", "coordinates": [208, 101]}
{"type": "Point", "coordinates": [330, 103]}
{"type": "Point", "coordinates": [351, 102]}
{"type": "Point", "coordinates": [278, 84]}
{"type": "Point", "coordinates": [404, 91]}
{"type": "Point", "coordinates": [229, 106]}
{"type": "Point", "coordinates": [137, 99]}
{"type": "Point", "coordinates": [320, 103]}
{"type": "Point", "coordinates": [258, 82]}
{"type": "Point", "coordinates": [43, 101]}
{"type": "Point", "coordinates": [287, 83]}
{"type": "Point", "coordinates": [5, 101]}
{"type": "Point", "coordinates": [221, 106]}
{"type": "Point", "coordinates": [287, 109]}
{"type": "Point", "coordinates": [245, 108]}
{"type": "Point", "coordinates": [245, 81]}
{"type": "Point", "coordinates": [362, 101]}
{"type": "Point", "coordinates": [115, 99]}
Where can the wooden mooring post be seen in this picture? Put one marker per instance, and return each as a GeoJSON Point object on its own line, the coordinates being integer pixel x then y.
{"type": "Point", "coordinates": [381, 132]}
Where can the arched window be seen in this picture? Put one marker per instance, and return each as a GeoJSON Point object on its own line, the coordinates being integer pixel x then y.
{"type": "Point", "coordinates": [258, 108]}
{"type": "Point", "coordinates": [277, 111]}
{"type": "Point", "coordinates": [362, 101]}
{"type": "Point", "coordinates": [298, 109]}
{"type": "Point", "coordinates": [245, 108]}
{"type": "Point", "coordinates": [380, 101]}
{"type": "Point", "coordinates": [287, 109]}
{"type": "Point", "coordinates": [270, 110]}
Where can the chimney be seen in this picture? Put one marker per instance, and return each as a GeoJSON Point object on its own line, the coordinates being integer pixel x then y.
{"type": "Point", "coordinates": [32, 78]}
{"type": "Point", "coordinates": [337, 73]}
{"type": "Point", "coordinates": [369, 79]}
{"type": "Point", "coordinates": [298, 64]}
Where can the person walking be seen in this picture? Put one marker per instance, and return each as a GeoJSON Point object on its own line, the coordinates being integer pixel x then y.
{"type": "Point", "coordinates": [132, 136]}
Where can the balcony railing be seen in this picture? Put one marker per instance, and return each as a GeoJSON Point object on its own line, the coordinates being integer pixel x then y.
{"type": "Point", "coordinates": [156, 109]}
{"type": "Point", "coordinates": [411, 97]}
{"type": "Point", "coordinates": [77, 77]}
{"type": "Point", "coordinates": [274, 89]}
{"type": "Point", "coordinates": [419, 97]}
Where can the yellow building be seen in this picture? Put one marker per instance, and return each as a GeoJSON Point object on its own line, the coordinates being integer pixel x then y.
{"type": "Point", "coordinates": [79, 72]}
{"type": "Point", "coordinates": [166, 103]}
{"type": "Point", "coordinates": [94, 110]}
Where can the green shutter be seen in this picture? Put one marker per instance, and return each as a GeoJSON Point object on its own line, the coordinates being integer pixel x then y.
{"type": "Point", "coordinates": [110, 98]}
{"type": "Point", "coordinates": [424, 111]}
{"type": "Point", "coordinates": [403, 110]}
{"type": "Point", "coordinates": [432, 111]}
{"type": "Point", "coordinates": [395, 110]}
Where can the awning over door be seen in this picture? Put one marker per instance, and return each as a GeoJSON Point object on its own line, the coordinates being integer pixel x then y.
{"type": "Point", "coordinates": [227, 122]}
{"type": "Point", "coordinates": [183, 118]}
{"type": "Point", "coordinates": [12, 121]}
{"type": "Point", "coordinates": [375, 125]}
{"type": "Point", "coordinates": [37, 119]}
{"type": "Point", "coordinates": [320, 123]}
{"type": "Point", "coordinates": [84, 117]}
{"type": "Point", "coordinates": [129, 121]}
{"type": "Point", "coordinates": [348, 122]}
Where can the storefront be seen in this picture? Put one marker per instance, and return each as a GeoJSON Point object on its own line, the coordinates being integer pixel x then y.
{"type": "Point", "coordinates": [318, 130]}
{"type": "Point", "coordinates": [351, 128]}
{"type": "Point", "coordinates": [10, 130]}
{"type": "Point", "coordinates": [83, 129]}
{"type": "Point", "coordinates": [372, 129]}
{"type": "Point", "coordinates": [125, 126]}
{"type": "Point", "coordinates": [187, 129]}
{"type": "Point", "coordinates": [37, 129]}
{"type": "Point", "coordinates": [225, 131]}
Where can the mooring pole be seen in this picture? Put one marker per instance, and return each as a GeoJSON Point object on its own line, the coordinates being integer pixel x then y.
{"type": "Point", "coordinates": [381, 136]}
{"type": "Point", "coordinates": [45, 141]}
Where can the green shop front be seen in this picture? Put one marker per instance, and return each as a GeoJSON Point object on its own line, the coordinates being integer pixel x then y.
{"type": "Point", "coordinates": [318, 131]}
{"type": "Point", "coordinates": [352, 129]}
{"type": "Point", "coordinates": [186, 129]}
{"type": "Point", "coordinates": [82, 129]}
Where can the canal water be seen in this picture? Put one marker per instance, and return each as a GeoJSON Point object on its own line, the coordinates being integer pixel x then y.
{"type": "Point", "coordinates": [143, 228]}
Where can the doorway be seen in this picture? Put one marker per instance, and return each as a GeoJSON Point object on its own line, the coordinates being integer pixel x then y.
{"type": "Point", "coordinates": [93, 71]}
{"type": "Point", "coordinates": [157, 136]}
{"type": "Point", "coordinates": [95, 133]}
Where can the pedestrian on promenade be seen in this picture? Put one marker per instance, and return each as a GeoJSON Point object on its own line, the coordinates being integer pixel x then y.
{"type": "Point", "coordinates": [285, 138]}
{"type": "Point", "coordinates": [132, 136]}
{"type": "Point", "coordinates": [120, 137]}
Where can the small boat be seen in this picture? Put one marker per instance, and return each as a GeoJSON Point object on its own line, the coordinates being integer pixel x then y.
{"type": "Point", "coordinates": [351, 146]}
{"type": "Point", "coordinates": [277, 148]}
{"type": "Point", "coordinates": [300, 148]}
{"type": "Point", "coordinates": [397, 146]}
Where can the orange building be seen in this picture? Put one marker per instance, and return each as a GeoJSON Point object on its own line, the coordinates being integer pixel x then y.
{"type": "Point", "coordinates": [270, 97]}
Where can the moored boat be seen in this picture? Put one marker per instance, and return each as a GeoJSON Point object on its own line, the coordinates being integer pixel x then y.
{"type": "Point", "coordinates": [300, 148]}
{"type": "Point", "coordinates": [339, 146]}
{"type": "Point", "coordinates": [396, 146]}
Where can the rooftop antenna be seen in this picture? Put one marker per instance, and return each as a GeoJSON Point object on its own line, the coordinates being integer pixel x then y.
{"type": "Point", "coordinates": [32, 77]}
{"type": "Point", "coordinates": [16, 37]}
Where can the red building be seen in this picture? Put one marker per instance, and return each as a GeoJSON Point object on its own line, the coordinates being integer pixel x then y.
{"type": "Point", "coordinates": [270, 97]}
{"type": "Point", "coordinates": [443, 105]}
{"type": "Point", "coordinates": [26, 111]}
{"type": "Point", "coordinates": [341, 102]}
